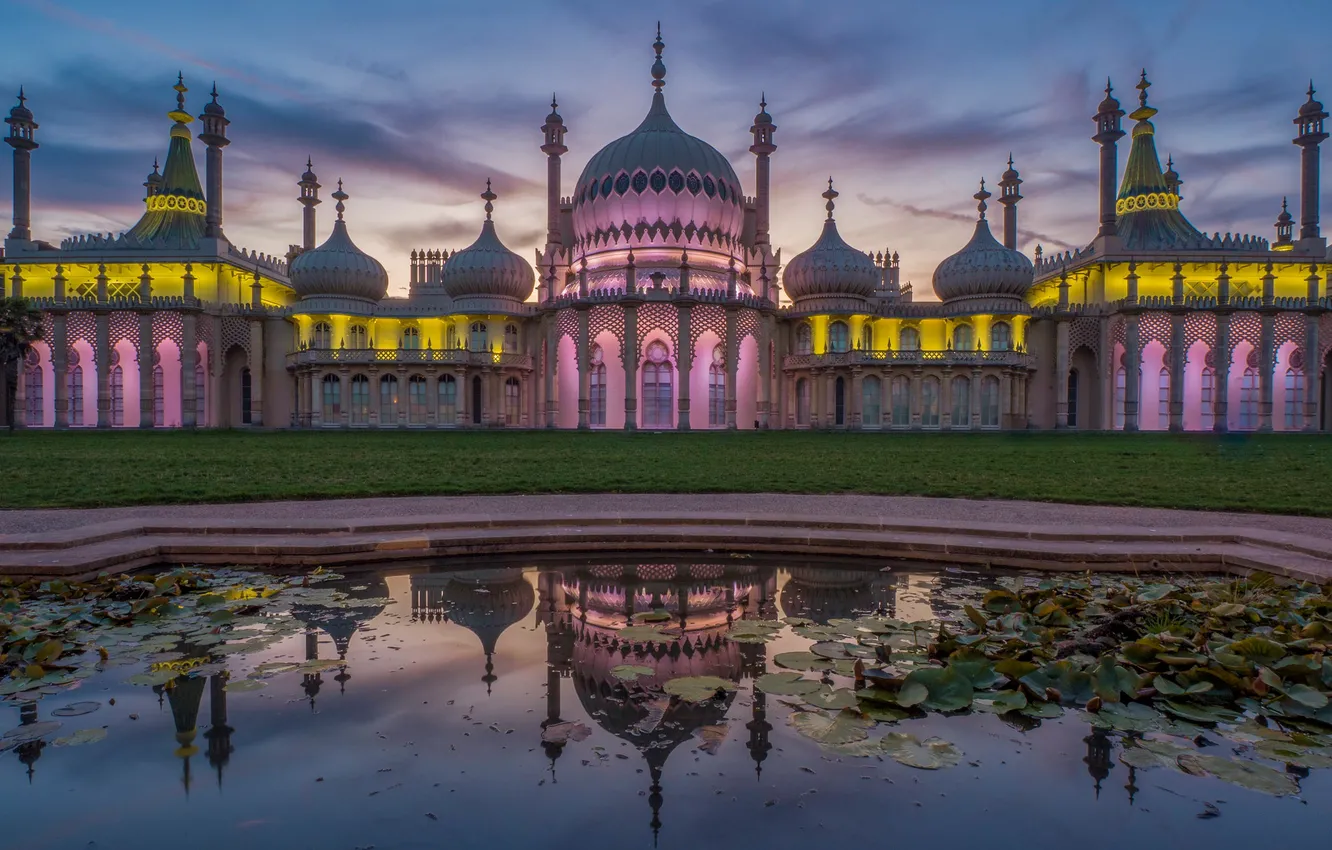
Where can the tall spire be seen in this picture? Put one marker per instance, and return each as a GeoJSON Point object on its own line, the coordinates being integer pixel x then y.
{"type": "Point", "coordinates": [831, 195]}
{"type": "Point", "coordinates": [179, 115]}
{"type": "Point", "coordinates": [981, 197]}
{"type": "Point", "coordinates": [340, 196]}
{"type": "Point", "coordinates": [1143, 112]}
{"type": "Point", "coordinates": [489, 197]}
{"type": "Point", "coordinates": [658, 67]}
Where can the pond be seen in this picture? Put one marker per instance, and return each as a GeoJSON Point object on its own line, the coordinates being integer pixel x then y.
{"type": "Point", "coordinates": [503, 704]}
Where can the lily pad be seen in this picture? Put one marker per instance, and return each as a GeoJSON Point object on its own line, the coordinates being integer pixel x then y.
{"type": "Point", "coordinates": [156, 677]}
{"type": "Point", "coordinates": [787, 684]}
{"type": "Point", "coordinates": [930, 754]}
{"type": "Point", "coordinates": [1246, 774]}
{"type": "Point", "coordinates": [941, 689]}
{"type": "Point", "coordinates": [754, 631]}
{"type": "Point", "coordinates": [804, 661]}
{"type": "Point", "coordinates": [83, 736]}
{"type": "Point", "coordinates": [76, 709]}
{"type": "Point", "coordinates": [630, 672]}
{"type": "Point", "coordinates": [697, 688]}
{"type": "Point", "coordinates": [1199, 713]}
{"type": "Point", "coordinates": [999, 702]}
{"type": "Point", "coordinates": [831, 699]}
{"type": "Point", "coordinates": [831, 649]}
{"type": "Point", "coordinates": [843, 728]}
{"type": "Point", "coordinates": [242, 685]}
{"type": "Point", "coordinates": [563, 733]}
{"type": "Point", "coordinates": [32, 731]}
{"type": "Point", "coordinates": [1126, 717]}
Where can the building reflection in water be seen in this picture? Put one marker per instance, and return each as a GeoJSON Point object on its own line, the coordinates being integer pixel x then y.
{"type": "Point", "coordinates": [485, 602]}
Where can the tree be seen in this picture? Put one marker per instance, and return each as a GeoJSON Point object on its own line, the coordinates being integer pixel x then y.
{"type": "Point", "coordinates": [20, 327]}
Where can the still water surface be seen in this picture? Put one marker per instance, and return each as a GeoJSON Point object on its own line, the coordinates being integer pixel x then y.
{"type": "Point", "coordinates": [428, 732]}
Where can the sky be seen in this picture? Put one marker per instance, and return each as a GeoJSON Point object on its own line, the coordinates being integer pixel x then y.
{"type": "Point", "coordinates": [415, 103]}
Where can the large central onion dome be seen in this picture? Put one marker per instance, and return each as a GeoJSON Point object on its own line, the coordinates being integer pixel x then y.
{"type": "Point", "coordinates": [487, 269]}
{"type": "Point", "coordinates": [338, 268]}
{"type": "Point", "coordinates": [657, 186]}
{"type": "Point", "coordinates": [983, 269]}
{"type": "Point", "coordinates": [831, 268]}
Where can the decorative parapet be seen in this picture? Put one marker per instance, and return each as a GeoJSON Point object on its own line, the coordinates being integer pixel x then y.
{"type": "Point", "coordinates": [650, 293]}
{"type": "Point", "coordinates": [908, 358]}
{"type": "Point", "coordinates": [442, 357]}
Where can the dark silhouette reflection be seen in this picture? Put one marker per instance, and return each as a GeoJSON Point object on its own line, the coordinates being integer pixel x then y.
{"type": "Point", "coordinates": [185, 694]}
{"type": "Point", "coordinates": [366, 596]}
{"type": "Point", "coordinates": [29, 751]}
{"type": "Point", "coordinates": [830, 594]}
{"type": "Point", "coordinates": [220, 747]}
{"type": "Point", "coordinates": [1098, 760]}
{"type": "Point", "coordinates": [485, 602]}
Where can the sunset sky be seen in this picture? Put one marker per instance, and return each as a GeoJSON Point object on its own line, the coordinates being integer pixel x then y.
{"type": "Point", "coordinates": [414, 104]}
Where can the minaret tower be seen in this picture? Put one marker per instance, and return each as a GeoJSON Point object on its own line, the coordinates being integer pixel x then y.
{"type": "Point", "coordinates": [309, 199]}
{"type": "Point", "coordinates": [21, 131]}
{"type": "Point", "coordinates": [554, 148]}
{"type": "Point", "coordinates": [1311, 135]}
{"type": "Point", "coordinates": [214, 135]}
{"type": "Point", "coordinates": [762, 149]}
{"type": "Point", "coordinates": [1109, 130]}
{"type": "Point", "coordinates": [153, 185]}
{"type": "Point", "coordinates": [1009, 197]}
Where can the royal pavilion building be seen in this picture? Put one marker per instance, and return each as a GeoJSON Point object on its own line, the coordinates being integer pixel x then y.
{"type": "Point", "coordinates": [660, 301]}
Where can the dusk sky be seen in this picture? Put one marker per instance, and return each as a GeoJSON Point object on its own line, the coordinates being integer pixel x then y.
{"type": "Point", "coordinates": [414, 104]}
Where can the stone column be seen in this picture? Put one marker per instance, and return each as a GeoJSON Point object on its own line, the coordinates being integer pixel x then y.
{"type": "Point", "coordinates": [816, 398]}
{"type": "Point", "coordinates": [1010, 404]}
{"type": "Point", "coordinates": [915, 398]}
{"type": "Point", "coordinates": [976, 398]}
{"type": "Point", "coordinates": [764, 383]}
{"type": "Point", "coordinates": [1061, 374]}
{"type": "Point", "coordinates": [1132, 371]}
{"type": "Point", "coordinates": [1313, 367]}
{"type": "Point", "coordinates": [464, 380]}
{"type": "Point", "coordinates": [732, 366]}
{"type": "Point", "coordinates": [189, 355]}
{"type": "Point", "coordinates": [856, 408]}
{"type": "Point", "coordinates": [686, 364]}
{"type": "Point", "coordinates": [629, 357]}
{"type": "Point", "coordinates": [344, 391]}
{"type": "Point", "coordinates": [1105, 384]}
{"type": "Point", "coordinates": [146, 370]}
{"type": "Point", "coordinates": [1266, 367]}
{"type": "Point", "coordinates": [103, 355]}
{"type": "Point", "coordinates": [551, 366]}
{"type": "Point", "coordinates": [1221, 357]}
{"type": "Point", "coordinates": [257, 372]}
{"type": "Point", "coordinates": [60, 368]}
{"type": "Point", "coordinates": [584, 355]}
{"type": "Point", "coordinates": [946, 399]}
{"type": "Point", "coordinates": [316, 379]}
{"type": "Point", "coordinates": [1177, 353]}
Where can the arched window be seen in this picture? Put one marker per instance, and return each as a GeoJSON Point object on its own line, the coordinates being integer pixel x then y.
{"type": "Point", "coordinates": [358, 337]}
{"type": "Point", "coordinates": [1121, 382]}
{"type": "Point", "coordinates": [512, 402]}
{"type": "Point", "coordinates": [34, 409]}
{"type": "Point", "coordinates": [411, 339]}
{"type": "Point", "coordinates": [871, 410]}
{"type": "Point", "coordinates": [658, 394]}
{"type": "Point", "coordinates": [1248, 412]}
{"type": "Point", "coordinates": [838, 337]}
{"type": "Point", "coordinates": [74, 381]}
{"type": "Point", "coordinates": [322, 336]}
{"type": "Point", "coordinates": [1163, 399]}
{"type": "Point", "coordinates": [867, 337]}
{"type": "Point", "coordinates": [448, 400]}
{"type": "Point", "coordinates": [804, 342]}
{"type": "Point", "coordinates": [961, 401]}
{"type": "Point", "coordinates": [200, 396]}
{"type": "Point", "coordinates": [117, 397]}
{"type": "Point", "coordinates": [510, 339]}
{"type": "Point", "coordinates": [802, 401]}
{"type": "Point", "coordinates": [989, 402]}
{"type": "Point", "coordinates": [596, 414]}
{"type": "Point", "coordinates": [332, 407]}
{"type": "Point", "coordinates": [1294, 399]}
{"type": "Point", "coordinates": [963, 338]}
{"type": "Point", "coordinates": [159, 396]}
{"type": "Point", "coordinates": [1001, 337]}
{"type": "Point", "coordinates": [451, 337]}
{"type": "Point", "coordinates": [247, 396]}
{"type": "Point", "coordinates": [1073, 398]}
{"type": "Point", "coordinates": [929, 402]}
{"type": "Point", "coordinates": [477, 340]}
{"type": "Point", "coordinates": [909, 340]}
{"type": "Point", "coordinates": [839, 401]}
{"type": "Point", "coordinates": [360, 400]}
{"type": "Point", "coordinates": [416, 399]}
{"type": "Point", "coordinates": [900, 390]}
{"type": "Point", "coordinates": [1208, 398]}
{"type": "Point", "coordinates": [717, 389]}
{"type": "Point", "coordinates": [388, 400]}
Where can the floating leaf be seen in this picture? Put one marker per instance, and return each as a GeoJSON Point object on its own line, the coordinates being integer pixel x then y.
{"type": "Point", "coordinates": [76, 709]}
{"type": "Point", "coordinates": [1311, 758]}
{"type": "Point", "coordinates": [32, 731]}
{"type": "Point", "coordinates": [242, 685]}
{"type": "Point", "coordinates": [630, 672]}
{"type": "Point", "coordinates": [83, 736]}
{"type": "Point", "coordinates": [946, 689]}
{"type": "Point", "coordinates": [1258, 649]}
{"type": "Point", "coordinates": [563, 733]}
{"type": "Point", "coordinates": [930, 754]}
{"type": "Point", "coordinates": [697, 688]}
{"type": "Point", "coordinates": [1199, 713]}
{"type": "Point", "coordinates": [831, 650]}
{"type": "Point", "coordinates": [831, 699]}
{"type": "Point", "coordinates": [1255, 777]}
{"type": "Point", "coordinates": [754, 631]}
{"type": "Point", "coordinates": [156, 677]}
{"type": "Point", "coordinates": [1126, 717]}
{"type": "Point", "coordinates": [845, 727]}
{"type": "Point", "coordinates": [712, 736]}
{"type": "Point", "coordinates": [787, 684]}
{"type": "Point", "coordinates": [804, 661]}
{"type": "Point", "coordinates": [998, 702]}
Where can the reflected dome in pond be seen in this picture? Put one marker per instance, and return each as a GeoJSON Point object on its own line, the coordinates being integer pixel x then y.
{"type": "Point", "coordinates": [485, 602]}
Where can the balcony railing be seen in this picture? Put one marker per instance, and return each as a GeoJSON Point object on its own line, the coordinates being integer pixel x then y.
{"type": "Point", "coordinates": [908, 358]}
{"type": "Point", "coordinates": [442, 357]}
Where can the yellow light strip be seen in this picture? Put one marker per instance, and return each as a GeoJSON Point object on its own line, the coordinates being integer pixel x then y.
{"type": "Point", "coordinates": [176, 203]}
{"type": "Point", "coordinates": [1141, 203]}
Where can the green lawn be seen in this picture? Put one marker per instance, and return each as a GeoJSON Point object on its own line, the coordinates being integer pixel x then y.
{"type": "Point", "coordinates": [1269, 473]}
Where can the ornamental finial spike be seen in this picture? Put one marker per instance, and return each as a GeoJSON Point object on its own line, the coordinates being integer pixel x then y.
{"type": "Point", "coordinates": [340, 196]}
{"type": "Point", "coordinates": [831, 195]}
{"type": "Point", "coordinates": [981, 197]}
{"type": "Point", "coordinates": [658, 67]}
{"type": "Point", "coordinates": [22, 97]}
{"type": "Point", "coordinates": [179, 115]}
{"type": "Point", "coordinates": [489, 196]}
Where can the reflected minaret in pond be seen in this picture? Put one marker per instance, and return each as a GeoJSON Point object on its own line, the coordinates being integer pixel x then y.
{"type": "Point", "coordinates": [1099, 765]}
{"type": "Point", "coordinates": [185, 694]}
{"type": "Point", "coordinates": [29, 751]}
{"type": "Point", "coordinates": [220, 747]}
{"type": "Point", "coordinates": [366, 596]}
{"type": "Point", "coordinates": [554, 614]}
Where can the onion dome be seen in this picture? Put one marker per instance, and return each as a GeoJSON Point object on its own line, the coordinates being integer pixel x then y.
{"type": "Point", "coordinates": [486, 603]}
{"type": "Point", "coordinates": [20, 111]}
{"type": "Point", "coordinates": [487, 269]}
{"type": "Point", "coordinates": [658, 176]}
{"type": "Point", "coordinates": [1310, 107]}
{"type": "Point", "coordinates": [153, 184]}
{"type": "Point", "coordinates": [309, 175]}
{"type": "Point", "coordinates": [763, 117]}
{"type": "Point", "coordinates": [1172, 176]}
{"type": "Point", "coordinates": [831, 268]}
{"type": "Point", "coordinates": [338, 268]}
{"type": "Point", "coordinates": [175, 212]}
{"type": "Point", "coordinates": [1111, 103]}
{"type": "Point", "coordinates": [213, 107]}
{"type": "Point", "coordinates": [984, 268]}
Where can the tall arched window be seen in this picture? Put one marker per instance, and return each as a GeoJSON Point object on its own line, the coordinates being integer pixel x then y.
{"type": "Point", "coordinates": [1072, 398]}
{"type": "Point", "coordinates": [964, 339]}
{"type": "Point", "coordinates": [929, 402]}
{"type": "Point", "coordinates": [838, 337]}
{"type": "Point", "coordinates": [510, 339]}
{"type": "Point", "coordinates": [596, 414]}
{"type": "Point", "coordinates": [1248, 412]}
{"type": "Point", "coordinates": [802, 401]}
{"type": "Point", "coordinates": [34, 406]}
{"type": "Point", "coordinates": [513, 414]}
{"type": "Point", "coordinates": [717, 388]}
{"type": "Point", "coordinates": [388, 400]}
{"type": "Point", "coordinates": [159, 396]}
{"type": "Point", "coordinates": [451, 338]}
{"type": "Point", "coordinates": [411, 339]}
{"type": "Point", "coordinates": [360, 400]}
{"type": "Point", "coordinates": [1294, 399]}
{"type": "Point", "coordinates": [332, 407]}
{"type": "Point", "coordinates": [871, 406]}
{"type": "Point", "coordinates": [989, 402]}
{"type": "Point", "coordinates": [417, 388]}
{"type": "Point", "coordinates": [117, 397]}
{"type": "Point", "coordinates": [1121, 382]}
{"type": "Point", "coordinates": [322, 336]}
{"type": "Point", "coordinates": [658, 394]}
{"type": "Point", "coordinates": [247, 397]}
{"type": "Point", "coordinates": [448, 400]}
{"type": "Point", "coordinates": [200, 396]}
{"type": "Point", "coordinates": [358, 337]}
{"type": "Point", "coordinates": [74, 382]}
{"type": "Point", "coordinates": [1163, 399]}
{"type": "Point", "coordinates": [867, 337]}
{"type": "Point", "coordinates": [477, 340]}
{"type": "Point", "coordinates": [961, 401]}
{"type": "Point", "coordinates": [909, 340]}
{"type": "Point", "coordinates": [804, 341]}
{"type": "Point", "coordinates": [900, 390]}
{"type": "Point", "coordinates": [1208, 398]}
{"type": "Point", "coordinates": [1001, 337]}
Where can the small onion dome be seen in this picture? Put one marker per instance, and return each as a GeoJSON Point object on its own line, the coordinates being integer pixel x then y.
{"type": "Point", "coordinates": [983, 268]}
{"type": "Point", "coordinates": [1310, 107]}
{"type": "Point", "coordinates": [1111, 103]}
{"type": "Point", "coordinates": [763, 117]}
{"type": "Point", "coordinates": [1010, 173]}
{"type": "Point", "coordinates": [338, 267]}
{"type": "Point", "coordinates": [21, 112]}
{"type": "Point", "coordinates": [554, 116]}
{"type": "Point", "coordinates": [155, 180]}
{"type": "Point", "coordinates": [1285, 219]}
{"type": "Point", "coordinates": [831, 267]}
{"type": "Point", "coordinates": [309, 175]}
{"type": "Point", "coordinates": [214, 108]}
{"type": "Point", "coordinates": [487, 269]}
